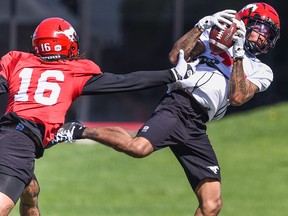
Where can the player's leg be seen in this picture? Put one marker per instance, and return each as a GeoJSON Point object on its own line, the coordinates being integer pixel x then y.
{"type": "Point", "coordinates": [209, 196]}
{"type": "Point", "coordinates": [10, 190]}
{"type": "Point", "coordinates": [155, 133]}
{"type": "Point", "coordinates": [120, 140]}
{"type": "Point", "coordinates": [6, 204]}
{"type": "Point", "coordinates": [29, 199]}
{"type": "Point", "coordinates": [114, 137]}
{"type": "Point", "coordinates": [204, 181]}
{"type": "Point", "coordinates": [200, 164]}
{"type": "Point", "coordinates": [152, 136]}
{"type": "Point", "coordinates": [149, 138]}
{"type": "Point", "coordinates": [17, 152]}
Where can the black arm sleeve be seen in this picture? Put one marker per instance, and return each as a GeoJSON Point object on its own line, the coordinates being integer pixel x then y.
{"type": "Point", "coordinates": [113, 83]}
{"type": "Point", "coordinates": [3, 85]}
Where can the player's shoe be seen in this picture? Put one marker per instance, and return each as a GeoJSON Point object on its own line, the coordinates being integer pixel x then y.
{"type": "Point", "coordinates": [69, 132]}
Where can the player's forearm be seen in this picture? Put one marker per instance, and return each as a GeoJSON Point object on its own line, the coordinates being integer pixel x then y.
{"type": "Point", "coordinates": [237, 87]}
{"type": "Point", "coordinates": [187, 43]}
{"type": "Point", "coordinates": [240, 89]}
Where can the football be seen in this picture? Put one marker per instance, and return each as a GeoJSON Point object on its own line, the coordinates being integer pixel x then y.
{"type": "Point", "coordinates": [221, 40]}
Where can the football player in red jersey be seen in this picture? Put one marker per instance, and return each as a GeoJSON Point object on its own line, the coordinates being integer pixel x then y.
{"type": "Point", "coordinates": [42, 85]}
{"type": "Point", "coordinates": [216, 81]}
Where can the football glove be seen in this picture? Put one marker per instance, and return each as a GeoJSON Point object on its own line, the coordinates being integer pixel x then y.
{"type": "Point", "coordinates": [180, 71]}
{"type": "Point", "coordinates": [239, 40]}
{"type": "Point", "coordinates": [225, 16]}
{"type": "Point", "coordinates": [69, 132]}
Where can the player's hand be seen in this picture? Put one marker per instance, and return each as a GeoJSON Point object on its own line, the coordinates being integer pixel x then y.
{"type": "Point", "coordinates": [225, 16]}
{"type": "Point", "coordinates": [181, 69]}
{"type": "Point", "coordinates": [239, 39]}
{"type": "Point", "coordinates": [69, 132]}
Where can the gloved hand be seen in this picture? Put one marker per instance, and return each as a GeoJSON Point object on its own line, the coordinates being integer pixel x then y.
{"type": "Point", "coordinates": [239, 40]}
{"type": "Point", "coordinates": [225, 16]}
{"type": "Point", "coordinates": [186, 81]}
{"type": "Point", "coordinates": [69, 132]}
{"type": "Point", "coordinates": [181, 69]}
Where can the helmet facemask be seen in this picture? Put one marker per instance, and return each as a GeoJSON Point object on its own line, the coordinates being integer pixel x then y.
{"type": "Point", "coordinates": [268, 36]}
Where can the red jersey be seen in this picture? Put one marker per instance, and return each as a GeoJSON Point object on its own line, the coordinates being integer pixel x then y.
{"type": "Point", "coordinates": [43, 91]}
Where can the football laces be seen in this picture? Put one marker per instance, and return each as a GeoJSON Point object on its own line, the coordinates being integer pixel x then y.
{"type": "Point", "coordinates": [221, 32]}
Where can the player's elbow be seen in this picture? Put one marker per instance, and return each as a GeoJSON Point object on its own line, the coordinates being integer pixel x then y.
{"type": "Point", "coordinates": [236, 100]}
{"type": "Point", "coordinates": [172, 58]}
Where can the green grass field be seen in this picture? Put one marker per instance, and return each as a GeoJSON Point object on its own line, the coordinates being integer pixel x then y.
{"type": "Point", "coordinates": [93, 180]}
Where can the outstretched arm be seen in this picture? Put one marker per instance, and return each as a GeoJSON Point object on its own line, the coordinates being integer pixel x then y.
{"type": "Point", "coordinates": [111, 83]}
{"type": "Point", "coordinates": [107, 83]}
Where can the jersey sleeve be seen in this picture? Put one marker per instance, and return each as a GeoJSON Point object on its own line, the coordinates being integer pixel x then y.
{"type": "Point", "coordinates": [140, 80]}
{"type": "Point", "coordinates": [91, 68]}
{"type": "Point", "coordinates": [85, 69]}
{"type": "Point", "coordinates": [4, 64]}
{"type": "Point", "coordinates": [262, 77]}
{"type": "Point", "coordinates": [3, 85]}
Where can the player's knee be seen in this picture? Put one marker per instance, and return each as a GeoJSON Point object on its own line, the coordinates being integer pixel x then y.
{"type": "Point", "coordinates": [139, 152]}
{"type": "Point", "coordinates": [30, 193]}
{"type": "Point", "coordinates": [29, 199]}
{"type": "Point", "coordinates": [141, 148]}
{"type": "Point", "coordinates": [212, 206]}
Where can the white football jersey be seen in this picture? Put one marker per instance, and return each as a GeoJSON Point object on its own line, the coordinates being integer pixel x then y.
{"type": "Point", "coordinates": [210, 85]}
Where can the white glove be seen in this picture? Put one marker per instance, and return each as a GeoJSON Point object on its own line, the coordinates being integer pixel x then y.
{"type": "Point", "coordinates": [186, 81]}
{"type": "Point", "coordinates": [225, 16]}
{"type": "Point", "coordinates": [181, 69]}
{"type": "Point", "coordinates": [239, 40]}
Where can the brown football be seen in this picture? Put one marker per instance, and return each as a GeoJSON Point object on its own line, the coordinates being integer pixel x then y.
{"type": "Point", "coordinates": [221, 40]}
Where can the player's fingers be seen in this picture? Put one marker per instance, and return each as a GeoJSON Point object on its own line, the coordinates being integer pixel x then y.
{"type": "Point", "coordinates": [219, 25]}
{"type": "Point", "coordinates": [241, 33]}
{"type": "Point", "coordinates": [225, 20]}
{"type": "Point", "coordinates": [238, 35]}
{"type": "Point", "coordinates": [181, 58]}
{"type": "Point", "coordinates": [239, 23]}
{"type": "Point", "coordinates": [229, 12]}
{"type": "Point", "coordinates": [181, 54]}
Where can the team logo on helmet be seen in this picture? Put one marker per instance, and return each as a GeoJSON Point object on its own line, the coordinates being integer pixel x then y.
{"type": "Point", "coordinates": [253, 7]}
{"type": "Point", "coordinates": [70, 33]}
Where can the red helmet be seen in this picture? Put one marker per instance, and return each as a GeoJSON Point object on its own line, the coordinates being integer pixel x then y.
{"type": "Point", "coordinates": [54, 38]}
{"type": "Point", "coordinates": [263, 19]}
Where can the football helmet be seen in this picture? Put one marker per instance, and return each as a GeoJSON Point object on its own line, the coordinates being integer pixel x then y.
{"type": "Point", "coordinates": [54, 38]}
{"type": "Point", "coordinates": [264, 20]}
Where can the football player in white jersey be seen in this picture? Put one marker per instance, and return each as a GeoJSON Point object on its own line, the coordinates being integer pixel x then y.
{"type": "Point", "coordinates": [215, 81]}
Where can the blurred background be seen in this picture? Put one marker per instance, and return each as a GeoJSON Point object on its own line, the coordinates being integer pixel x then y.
{"type": "Point", "coordinates": [128, 35]}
